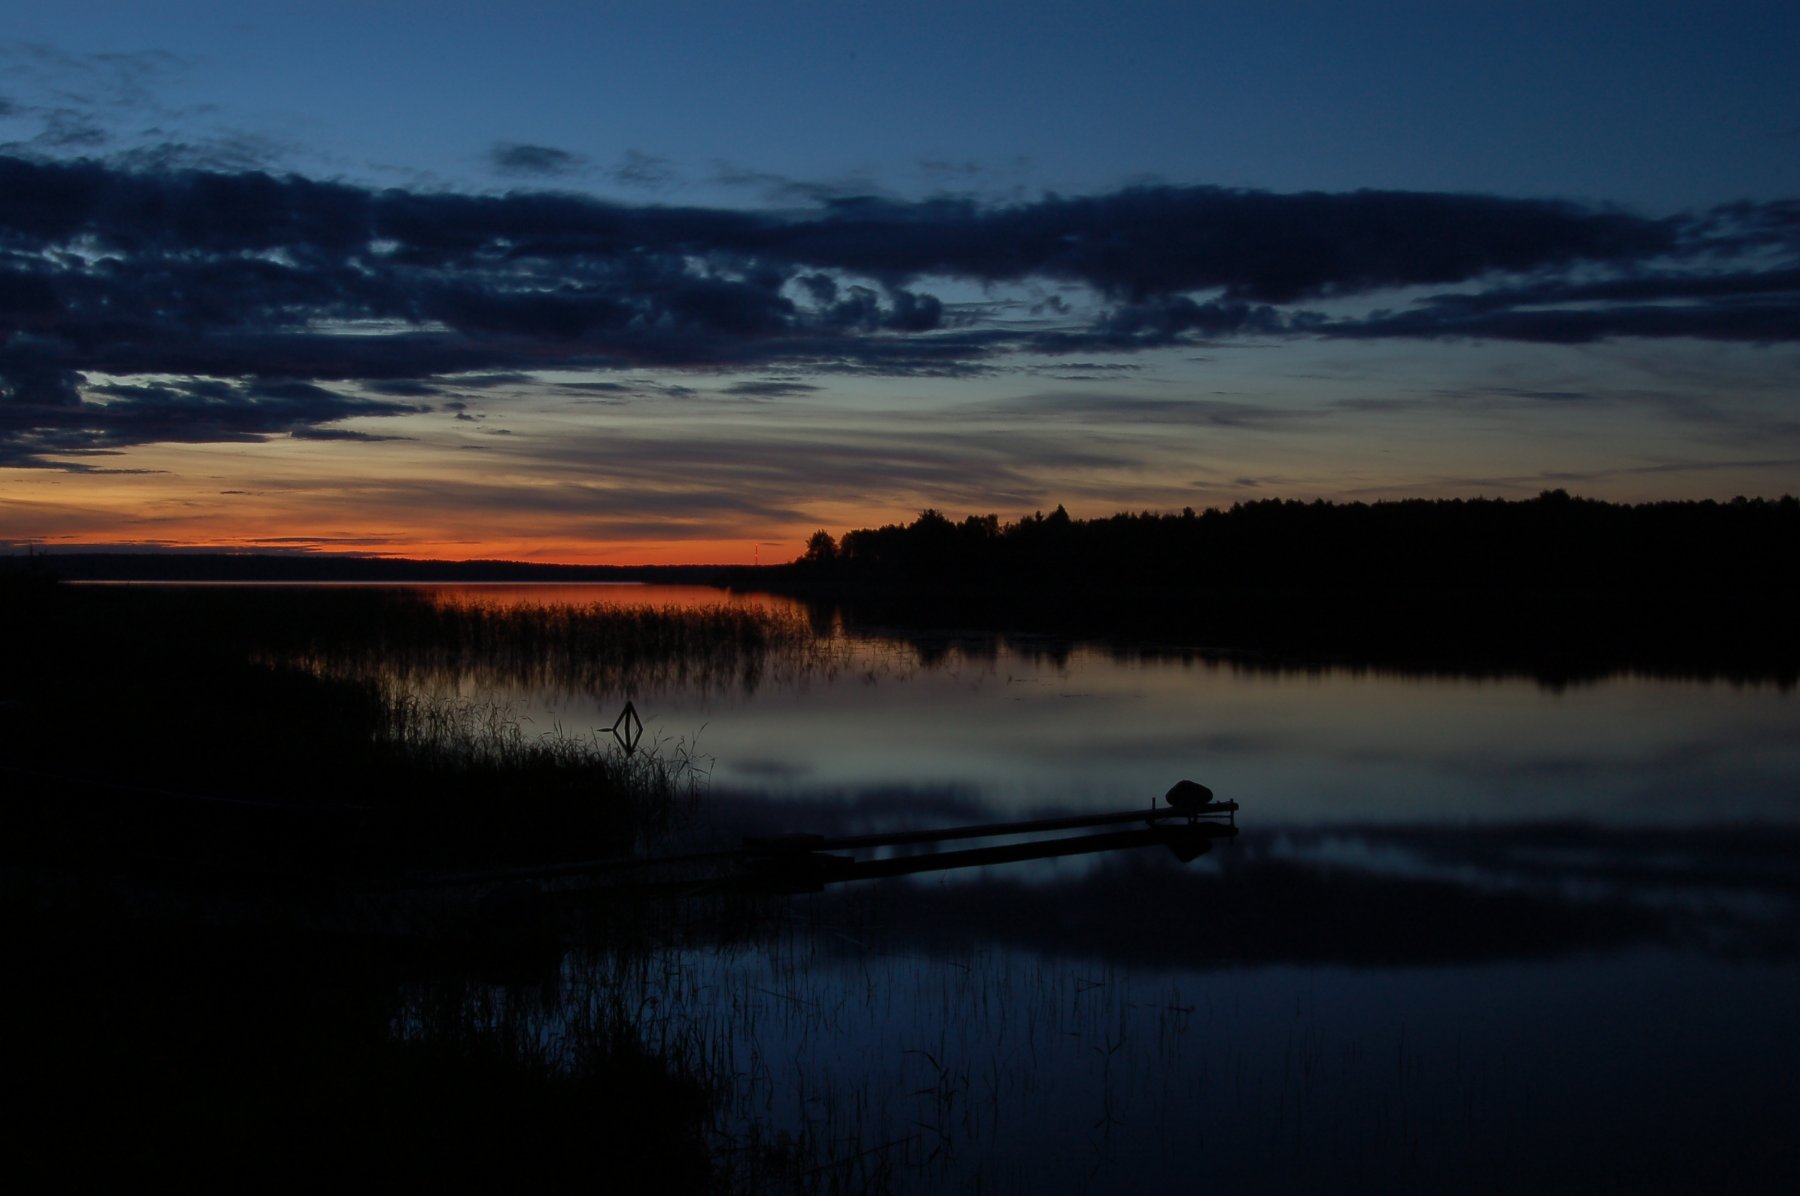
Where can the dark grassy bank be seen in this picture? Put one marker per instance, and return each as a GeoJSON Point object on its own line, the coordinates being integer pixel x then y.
{"type": "Point", "coordinates": [273, 724]}
{"type": "Point", "coordinates": [231, 1060]}
{"type": "Point", "coordinates": [218, 973]}
{"type": "Point", "coordinates": [1558, 586]}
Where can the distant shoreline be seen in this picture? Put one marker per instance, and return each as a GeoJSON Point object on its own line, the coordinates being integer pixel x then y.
{"type": "Point", "coordinates": [235, 567]}
{"type": "Point", "coordinates": [1557, 586]}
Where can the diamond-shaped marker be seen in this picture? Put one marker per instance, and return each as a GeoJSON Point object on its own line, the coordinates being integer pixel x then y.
{"type": "Point", "coordinates": [628, 728]}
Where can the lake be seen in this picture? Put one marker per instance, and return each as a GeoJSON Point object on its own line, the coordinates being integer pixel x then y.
{"type": "Point", "coordinates": [1022, 725]}
{"type": "Point", "coordinates": [1475, 932]}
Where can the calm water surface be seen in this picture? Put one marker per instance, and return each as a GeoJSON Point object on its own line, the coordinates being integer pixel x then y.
{"type": "Point", "coordinates": [1589, 975]}
{"type": "Point", "coordinates": [1021, 725]}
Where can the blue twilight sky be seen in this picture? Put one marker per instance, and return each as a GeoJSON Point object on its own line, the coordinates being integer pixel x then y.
{"type": "Point", "coordinates": [667, 281]}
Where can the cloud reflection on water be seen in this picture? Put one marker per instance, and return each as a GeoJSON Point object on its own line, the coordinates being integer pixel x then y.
{"type": "Point", "coordinates": [1474, 930]}
{"type": "Point", "coordinates": [1097, 732]}
{"type": "Point", "coordinates": [816, 712]}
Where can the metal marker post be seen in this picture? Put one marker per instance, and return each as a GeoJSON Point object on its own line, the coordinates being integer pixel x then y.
{"type": "Point", "coordinates": [628, 728]}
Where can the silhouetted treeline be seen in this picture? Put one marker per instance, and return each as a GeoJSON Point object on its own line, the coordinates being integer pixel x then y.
{"type": "Point", "coordinates": [1553, 541]}
{"type": "Point", "coordinates": [1701, 585]}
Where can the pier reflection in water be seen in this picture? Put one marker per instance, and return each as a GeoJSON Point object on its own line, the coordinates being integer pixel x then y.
{"type": "Point", "coordinates": [1473, 930]}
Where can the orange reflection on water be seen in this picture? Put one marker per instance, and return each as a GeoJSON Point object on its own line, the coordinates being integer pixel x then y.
{"type": "Point", "coordinates": [511, 595]}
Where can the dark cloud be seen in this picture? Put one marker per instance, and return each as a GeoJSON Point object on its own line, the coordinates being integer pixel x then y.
{"type": "Point", "coordinates": [55, 418]}
{"type": "Point", "coordinates": [784, 189]}
{"type": "Point", "coordinates": [642, 170]}
{"type": "Point", "coordinates": [1543, 396]}
{"type": "Point", "coordinates": [946, 169]}
{"type": "Point", "coordinates": [86, 102]}
{"type": "Point", "coordinates": [406, 388]}
{"type": "Point", "coordinates": [243, 275]}
{"type": "Point", "coordinates": [340, 434]}
{"type": "Point", "coordinates": [607, 388]}
{"type": "Point", "coordinates": [31, 387]}
{"type": "Point", "coordinates": [771, 389]}
{"type": "Point", "coordinates": [1089, 367]}
{"type": "Point", "coordinates": [1755, 322]}
{"type": "Point", "coordinates": [510, 157]}
{"type": "Point", "coordinates": [122, 81]}
{"type": "Point", "coordinates": [1169, 320]}
{"type": "Point", "coordinates": [234, 152]}
{"type": "Point", "coordinates": [490, 381]}
{"type": "Point", "coordinates": [1115, 410]}
{"type": "Point", "coordinates": [1254, 246]}
{"type": "Point", "coordinates": [65, 130]}
{"type": "Point", "coordinates": [1486, 397]}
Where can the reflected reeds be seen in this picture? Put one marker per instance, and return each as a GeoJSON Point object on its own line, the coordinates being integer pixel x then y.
{"type": "Point", "coordinates": [564, 648]}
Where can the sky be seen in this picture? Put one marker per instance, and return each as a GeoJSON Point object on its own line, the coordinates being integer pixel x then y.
{"type": "Point", "coordinates": [684, 282]}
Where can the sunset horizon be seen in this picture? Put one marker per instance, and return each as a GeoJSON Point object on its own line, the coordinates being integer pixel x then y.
{"type": "Point", "coordinates": [664, 308]}
{"type": "Point", "coordinates": [639, 554]}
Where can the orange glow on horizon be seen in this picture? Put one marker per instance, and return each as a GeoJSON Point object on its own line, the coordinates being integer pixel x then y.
{"type": "Point", "coordinates": [296, 497]}
{"type": "Point", "coordinates": [626, 553]}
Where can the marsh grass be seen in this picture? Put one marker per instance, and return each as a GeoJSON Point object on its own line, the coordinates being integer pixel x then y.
{"type": "Point", "coordinates": [474, 785]}
{"type": "Point", "coordinates": [278, 730]}
{"type": "Point", "coordinates": [230, 1059]}
{"type": "Point", "coordinates": [411, 638]}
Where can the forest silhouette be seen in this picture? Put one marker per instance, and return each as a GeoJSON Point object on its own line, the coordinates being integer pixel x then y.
{"type": "Point", "coordinates": [1703, 586]}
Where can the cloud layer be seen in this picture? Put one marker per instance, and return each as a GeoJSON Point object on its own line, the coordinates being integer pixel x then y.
{"type": "Point", "coordinates": [261, 289]}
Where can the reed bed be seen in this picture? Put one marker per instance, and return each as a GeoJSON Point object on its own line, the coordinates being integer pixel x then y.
{"type": "Point", "coordinates": [561, 648]}
{"type": "Point", "coordinates": [278, 728]}
{"type": "Point", "coordinates": [484, 788]}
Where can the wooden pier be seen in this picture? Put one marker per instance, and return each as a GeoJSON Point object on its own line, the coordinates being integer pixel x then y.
{"type": "Point", "coordinates": [792, 863]}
